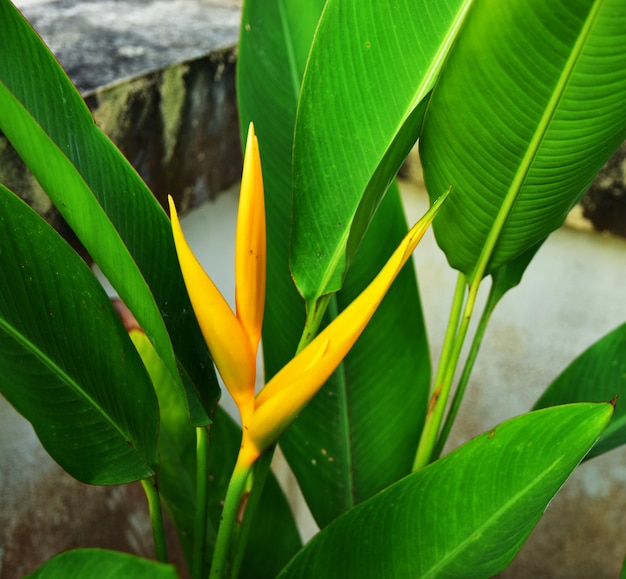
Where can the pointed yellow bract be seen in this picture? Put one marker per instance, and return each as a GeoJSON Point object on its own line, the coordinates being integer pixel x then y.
{"type": "Point", "coordinates": [233, 339]}
{"type": "Point", "coordinates": [291, 388]}
{"type": "Point", "coordinates": [250, 247]}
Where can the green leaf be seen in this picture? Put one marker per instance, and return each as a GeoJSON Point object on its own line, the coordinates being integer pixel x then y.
{"type": "Point", "coordinates": [597, 375]}
{"type": "Point", "coordinates": [360, 112]}
{"type": "Point", "coordinates": [342, 448]}
{"type": "Point", "coordinates": [90, 563]}
{"type": "Point", "coordinates": [103, 199]}
{"type": "Point", "coordinates": [467, 514]}
{"type": "Point", "coordinates": [529, 106]}
{"type": "Point", "coordinates": [67, 364]}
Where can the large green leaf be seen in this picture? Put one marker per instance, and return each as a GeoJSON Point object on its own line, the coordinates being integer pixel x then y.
{"type": "Point", "coordinates": [341, 448]}
{"type": "Point", "coordinates": [102, 198]}
{"type": "Point", "coordinates": [371, 67]}
{"type": "Point", "coordinates": [67, 364]}
{"type": "Point", "coordinates": [467, 514]}
{"type": "Point", "coordinates": [597, 375]}
{"type": "Point", "coordinates": [329, 446]}
{"type": "Point", "coordinates": [528, 108]}
{"type": "Point", "coordinates": [90, 563]}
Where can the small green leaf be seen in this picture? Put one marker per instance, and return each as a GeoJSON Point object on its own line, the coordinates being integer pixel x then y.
{"type": "Point", "coordinates": [66, 361]}
{"type": "Point", "coordinates": [360, 111]}
{"type": "Point", "coordinates": [597, 375]}
{"type": "Point", "coordinates": [103, 564]}
{"type": "Point", "coordinates": [465, 515]}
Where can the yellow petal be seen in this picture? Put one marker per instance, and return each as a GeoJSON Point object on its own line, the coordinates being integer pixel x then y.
{"type": "Point", "coordinates": [289, 390]}
{"type": "Point", "coordinates": [226, 338]}
{"type": "Point", "coordinates": [250, 247]}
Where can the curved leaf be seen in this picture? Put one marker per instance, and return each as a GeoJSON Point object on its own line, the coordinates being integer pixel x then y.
{"type": "Point", "coordinates": [598, 374]}
{"type": "Point", "coordinates": [529, 106]}
{"type": "Point", "coordinates": [360, 112]}
{"type": "Point", "coordinates": [67, 364]}
{"type": "Point", "coordinates": [89, 563]}
{"type": "Point", "coordinates": [102, 198]}
{"type": "Point", "coordinates": [467, 514]}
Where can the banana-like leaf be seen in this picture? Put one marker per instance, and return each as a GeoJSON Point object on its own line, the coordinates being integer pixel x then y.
{"type": "Point", "coordinates": [345, 460]}
{"type": "Point", "coordinates": [67, 364]}
{"type": "Point", "coordinates": [467, 514]}
{"type": "Point", "coordinates": [528, 108]}
{"type": "Point", "coordinates": [90, 563]}
{"type": "Point", "coordinates": [372, 64]}
{"type": "Point", "coordinates": [103, 199]}
{"type": "Point", "coordinates": [598, 374]}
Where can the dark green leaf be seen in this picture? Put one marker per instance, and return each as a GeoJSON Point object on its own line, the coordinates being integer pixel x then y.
{"type": "Point", "coordinates": [102, 198]}
{"type": "Point", "coordinates": [372, 64]}
{"type": "Point", "coordinates": [67, 364]}
{"type": "Point", "coordinates": [91, 563]}
{"type": "Point", "coordinates": [597, 375]}
{"type": "Point", "coordinates": [467, 514]}
{"type": "Point", "coordinates": [529, 106]}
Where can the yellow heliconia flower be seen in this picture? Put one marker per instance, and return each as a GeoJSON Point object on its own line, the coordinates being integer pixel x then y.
{"type": "Point", "coordinates": [233, 339]}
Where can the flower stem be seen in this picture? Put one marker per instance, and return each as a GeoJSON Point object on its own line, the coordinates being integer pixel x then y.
{"type": "Point", "coordinates": [225, 548]}
{"type": "Point", "coordinates": [200, 523]}
{"type": "Point", "coordinates": [150, 487]}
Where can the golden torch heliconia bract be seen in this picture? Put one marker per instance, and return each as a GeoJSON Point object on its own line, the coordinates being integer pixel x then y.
{"type": "Point", "coordinates": [233, 337]}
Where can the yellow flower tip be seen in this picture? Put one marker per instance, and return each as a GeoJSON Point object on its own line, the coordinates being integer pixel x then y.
{"type": "Point", "coordinates": [291, 388]}
{"type": "Point", "coordinates": [250, 252]}
{"type": "Point", "coordinates": [226, 338]}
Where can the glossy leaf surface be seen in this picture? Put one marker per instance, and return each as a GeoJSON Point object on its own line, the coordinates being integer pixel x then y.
{"type": "Point", "coordinates": [360, 112]}
{"type": "Point", "coordinates": [597, 375]}
{"type": "Point", "coordinates": [89, 563]}
{"type": "Point", "coordinates": [67, 364]}
{"type": "Point", "coordinates": [102, 198]}
{"type": "Point", "coordinates": [332, 464]}
{"type": "Point", "coordinates": [465, 515]}
{"type": "Point", "coordinates": [527, 110]}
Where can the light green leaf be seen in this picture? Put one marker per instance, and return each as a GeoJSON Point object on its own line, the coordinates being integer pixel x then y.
{"type": "Point", "coordinates": [528, 108]}
{"type": "Point", "coordinates": [467, 514]}
{"type": "Point", "coordinates": [103, 199]}
{"type": "Point", "coordinates": [90, 563]}
{"type": "Point", "coordinates": [372, 64]}
{"type": "Point", "coordinates": [67, 364]}
{"type": "Point", "coordinates": [597, 375]}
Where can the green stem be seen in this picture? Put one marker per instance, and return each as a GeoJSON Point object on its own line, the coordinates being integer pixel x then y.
{"type": "Point", "coordinates": [430, 430]}
{"type": "Point", "coordinates": [440, 396]}
{"type": "Point", "coordinates": [465, 376]}
{"type": "Point", "coordinates": [313, 320]}
{"type": "Point", "coordinates": [223, 556]}
{"type": "Point", "coordinates": [200, 523]}
{"type": "Point", "coordinates": [150, 487]}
